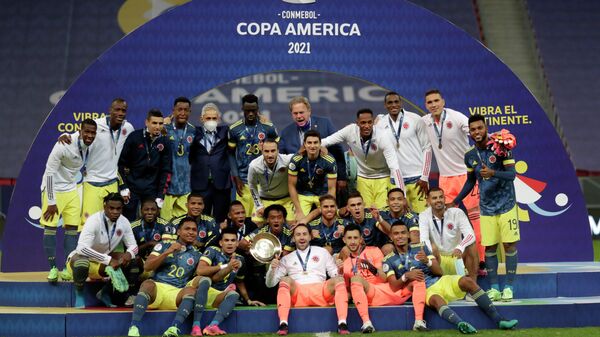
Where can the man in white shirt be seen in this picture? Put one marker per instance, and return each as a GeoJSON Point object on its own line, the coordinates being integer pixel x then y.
{"type": "Point", "coordinates": [60, 196]}
{"type": "Point", "coordinates": [412, 148]}
{"type": "Point", "coordinates": [101, 169]}
{"type": "Point", "coordinates": [375, 157]}
{"type": "Point", "coordinates": [268, 181]}
{"type": "Point", "coordinates": [302, 281]}
{"type": "Point", "coordinates": [450, 231]}
{"type": "Point", "coordinates": [448, 132]}
{"type": "Point", "coordinates": [95, 256]}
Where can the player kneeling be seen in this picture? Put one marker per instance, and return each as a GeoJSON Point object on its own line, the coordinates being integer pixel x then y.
{"type": "Point", "coordinates": [302, 281]}
{"type": "Point", "coordinates": [418, 263]}
{"type": "Point", "coordinates": [174, 264]}
{"type": "Point", "coordinates": [363, 271]}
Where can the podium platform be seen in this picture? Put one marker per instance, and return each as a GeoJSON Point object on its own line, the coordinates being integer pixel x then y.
{"type": "Point", "coordinates": [546, 295]}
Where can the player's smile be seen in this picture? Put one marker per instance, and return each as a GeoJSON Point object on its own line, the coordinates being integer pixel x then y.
{"type": "Point", "coordinates": [478, 131]}
{"type": "Point", "coordinates": [188, 233]}
{"type": "Point", "coordinates": [393, 105]}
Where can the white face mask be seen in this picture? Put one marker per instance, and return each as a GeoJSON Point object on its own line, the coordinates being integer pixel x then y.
{"type": "Point", "coordinates": [210, 126]}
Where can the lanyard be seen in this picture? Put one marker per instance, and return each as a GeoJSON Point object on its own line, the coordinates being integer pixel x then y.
{"type": "Point", "coordinates": [145, 235]}
{"type": "Point", "coordinates": [328, 236]}
{"type": "Point", "coordinates": [110, 236]}
{"type": "Point", "coordinates": [437, 228]}
{"type": "Point", "coordinates": [481, 160]}
{"type": "Point", "coordinates": [148, 146]}
{"type": "Point", "coordinates": [394, 131]}
{"type": "Point", "coordinates": [268, 177]}
{"type": "Point", "coordinates": [253, 134]}
{"type": "Point", "coordinates": [366, 146]}
{"type": "Point", "coordinates": [180, 147]}
{"type": "Point", "coordinates": [112, 137]}
{"type": "Point", "coordinates": [311, 173]}
{"type": "Point", "coordinates": [439, 132]}
{"type": "Point", "coordinates": [302, 262]}
{"type": "Point", "coordinates": [87, 152]}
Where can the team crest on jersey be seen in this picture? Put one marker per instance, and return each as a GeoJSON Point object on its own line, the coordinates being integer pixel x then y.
{"type": "Point", "coordinates": [373, 146]}
{"type": "Point", "coordinates": [160, 147]}
{"type": "Point", "coordinates": [261, 136]}
{"type": "Point", "coordinates": [405, 125]}
{"type": "Point", "coordinates": [366, 232]}
{"type": "Point", "coordinates": [315, 259]}
{"type": "Point", "coordinates": [450, 226]}
{"type": "Point", "coordinates": [449, 124]}
{"type": "Point", "coordinates": [492, 159]}
{"type": "Point", "coordinates": [202, 234]}
{"type": "Point", "coordinates": [158, 247]}
{"type": "Point", "coordinates": [119, 232]}
{"type": "Point", "coordinates": [386, 268]}
{"type": "Point", "coordinates": [282, 169]}
{"type": "Point", "coordinates": [292, 166]}
{"type": "Point", "coordinates": [156, 237]}
{"type": "Point", "coordinates": [190, 261]}
{"type": "Point", "coordinates": [336, 235]}
{"type": "Point", "coordinates": [190, 139]}
{"type": "Point", "coordinates": [124, 132]}
{"type": "Point", "coordinates": [319, 171]}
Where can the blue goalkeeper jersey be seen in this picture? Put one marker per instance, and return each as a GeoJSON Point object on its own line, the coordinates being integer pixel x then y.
{"type": "Point", "coordinates": [180, 140]}
{"type": "Point", "coordinates": [245, 139]}
{"type": "Point", "coordinates": [496, 196]}
{"type": "Point", "coordinates": [179, 267]}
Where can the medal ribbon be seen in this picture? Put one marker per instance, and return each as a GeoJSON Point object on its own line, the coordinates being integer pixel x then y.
{"type": "Point", "coordinates": [439, 132]}
{"type": "Point", "coordinates": [437, 228]}
{"type": "Point", "coordinates": [311, 175]}
{"type": "Point", "coordinates": [114, 141]}
{"type": "Point", "coordinates": [180, 147]}
{"type": "Point", "coordinates": [110, 236]}
{"type": "Point", "coordinates": [394, 131]}
{"type": "Point", "coordinates": [366, 146]}
{"type": "Point", "coordinates": [302, 262]}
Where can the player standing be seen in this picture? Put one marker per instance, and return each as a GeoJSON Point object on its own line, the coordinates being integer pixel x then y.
{"type": "Point", "coordinates": [412, 148]}
{"type": "Point", "coordinates": [181, 135]}
{"type": "Point", "coordinates": [245, 141]}
{"type": "Point", "coordinates": [499, 220]}
{"type": "Point", "coordinates": [448, 132]}
{"type": "Point", "coordinates": [60, 196]}
{"type": "Point", "coordinates": [375, 157]}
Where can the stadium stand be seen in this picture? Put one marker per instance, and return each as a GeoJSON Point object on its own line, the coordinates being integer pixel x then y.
{"type": "Point", "coordinates": [568, 34]}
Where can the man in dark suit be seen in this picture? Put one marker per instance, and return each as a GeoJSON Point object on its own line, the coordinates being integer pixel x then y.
{"type": "Point", "coordinates": [210, 173]}
{"type": "Point", "coordinates": [292, 136]}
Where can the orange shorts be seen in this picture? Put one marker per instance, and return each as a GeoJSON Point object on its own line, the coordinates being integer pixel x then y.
{"type": "Point", "coordinates": [381, 294]}
{"type": "Point", "coordinates": [312, 295]}
{"type": "Point", "coordinates": [453, 185]}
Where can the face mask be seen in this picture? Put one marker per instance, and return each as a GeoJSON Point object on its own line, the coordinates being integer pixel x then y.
{"type": "Point", "coordinates": [210, 126]}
